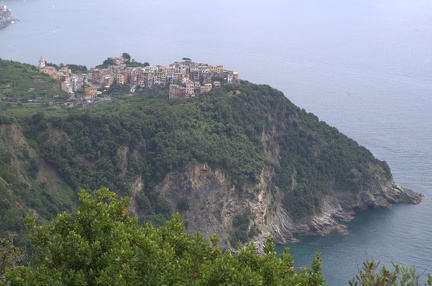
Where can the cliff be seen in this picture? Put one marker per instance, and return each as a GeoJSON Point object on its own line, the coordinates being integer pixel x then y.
{"type": "Point", "coordinates": [241, 162]}
{"type": "Point", "coordinates": [213, 204]}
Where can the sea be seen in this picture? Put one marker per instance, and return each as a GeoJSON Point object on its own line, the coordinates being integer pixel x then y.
{"type": "Point", "coordinates": [362, 66]}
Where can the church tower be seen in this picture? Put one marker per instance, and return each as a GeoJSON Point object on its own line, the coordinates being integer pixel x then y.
{"type": "Point", "coordinates": [41, 62]}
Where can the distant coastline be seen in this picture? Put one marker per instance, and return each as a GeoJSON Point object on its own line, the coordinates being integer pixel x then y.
{"type": "Point", "coordinates": [6, 17]}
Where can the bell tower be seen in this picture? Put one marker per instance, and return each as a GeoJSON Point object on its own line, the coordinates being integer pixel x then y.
{"type": "Point", "coordinates": [41, 62]}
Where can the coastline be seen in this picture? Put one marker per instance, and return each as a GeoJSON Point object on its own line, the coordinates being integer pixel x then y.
{"type": "Point", "coordinates": [338, 211]}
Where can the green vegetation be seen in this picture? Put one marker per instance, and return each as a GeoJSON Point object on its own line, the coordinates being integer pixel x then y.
{"type": "Point", "coordinates": [127, 60]}
{"type": "Point", "coordinates": [167, 136]}
{"type": "Point", "coordinates": [399, 275]}
{"type": "Point", "coordinates": [102, 245]}
{"type": "Point", "coordinates": [107, 62]}
{"type": "Point", "coordinates": [9, 256]}
{"type": "Point", "coordinates": [48, 153]}
{"type": "Point", "coordinates": [148, 136]}
{"type": "Point", "coordinates": [24, 187]}
{"type": "Point", "coordinates": [239, 129]}
{"type": "Point", "coordinates": [21, 82]}
{"type": "Point", "coordinates": [77, 69]}
{"type": "Point", "coordinates": [183, 205]}
{"type": "Point", "coordinates": [134, 63]}
{"type": "Point", "coordinates": [126, 57]}
{"type": "Point", "coordinates": [240, 229]}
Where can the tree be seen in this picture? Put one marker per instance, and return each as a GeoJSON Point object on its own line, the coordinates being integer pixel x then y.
{"type": "Point", "coordinates": [77, 68]}
{"type": "Point", "coordinates": [9, 255]}
{"type": "Point", "coordinates": [103, 245]}
{"type": "Point", "coordinates": [108, 62]}
{"type": "Point", "coordinates": [127, 57]}
{"type": "Point", "coordinates": [399, 275]}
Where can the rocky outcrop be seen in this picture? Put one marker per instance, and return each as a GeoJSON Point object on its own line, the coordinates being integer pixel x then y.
{"type": "Point", "coordinates": [6, 16]}
{"type": "Point", "coordinates": [212, 203]}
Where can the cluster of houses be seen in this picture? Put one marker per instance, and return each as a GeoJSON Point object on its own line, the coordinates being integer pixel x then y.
{"type": "Point", "coordinates": [70, 82]}
{"type": "Point", "coordinates": [188, 79]}
{"type": "Point", "coordinates": [184, 79]}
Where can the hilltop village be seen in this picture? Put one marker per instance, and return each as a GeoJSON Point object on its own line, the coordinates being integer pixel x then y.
{"type": "Point", "coordinates": [182, 80]}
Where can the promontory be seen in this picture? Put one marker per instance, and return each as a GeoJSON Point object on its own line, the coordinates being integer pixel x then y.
{"type": "Point", "coordinates": [240, 161]}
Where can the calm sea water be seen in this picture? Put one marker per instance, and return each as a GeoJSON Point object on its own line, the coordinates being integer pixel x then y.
{"type": "Point", "coordinates": [364, 67]}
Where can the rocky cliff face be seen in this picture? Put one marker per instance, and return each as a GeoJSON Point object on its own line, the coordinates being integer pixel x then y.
{"type": "Point", "coordinates": [213, 202]}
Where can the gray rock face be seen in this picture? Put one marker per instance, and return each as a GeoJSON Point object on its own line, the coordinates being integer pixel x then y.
{"type": "Point", "coordinates": [213, 202]}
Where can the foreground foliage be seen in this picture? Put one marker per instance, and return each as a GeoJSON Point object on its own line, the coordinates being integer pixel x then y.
{"type": "Point", "coordinates": [9, 255]}
{"type": "Point", "coordinates": [371, 274]}
{"type": "Point", "coordinates": [102, 245]}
